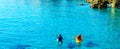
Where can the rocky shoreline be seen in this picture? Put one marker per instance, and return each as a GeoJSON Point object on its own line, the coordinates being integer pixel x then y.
{"type": "Point", "coordinates": [104, 3]}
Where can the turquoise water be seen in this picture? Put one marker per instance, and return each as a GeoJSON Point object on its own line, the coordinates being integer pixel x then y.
{"type": "Point", "coordinates": [35, 24]}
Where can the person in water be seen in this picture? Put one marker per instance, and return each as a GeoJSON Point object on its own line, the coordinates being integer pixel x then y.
{"type": "Point", "coordinates": [79, 39]}
{"type": "Point", "coordinates": [60, 39]}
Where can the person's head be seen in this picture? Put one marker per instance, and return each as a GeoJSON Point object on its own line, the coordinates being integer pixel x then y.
{"type": "Point", "coordinates": [60, 35]}
{"type": "Point", "coordinates": [79, 34]}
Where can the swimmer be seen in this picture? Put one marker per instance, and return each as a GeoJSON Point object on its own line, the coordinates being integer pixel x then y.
{"type": "Point", "coordinates": [60, 39]}
{"type": "Point", "coordinates": [78, 39]}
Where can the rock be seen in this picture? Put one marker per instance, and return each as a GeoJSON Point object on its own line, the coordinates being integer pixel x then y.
{"type": "Point", "coordinates": [89, 1]}
{"type": "Point", "coordinates": [99, 4]}
{"type": "Point", "coordinates": [103, 3]}
{"type": "Point", "coordinates": [110, 1]}
{"type": "Point", "coordinates": [118, 5]}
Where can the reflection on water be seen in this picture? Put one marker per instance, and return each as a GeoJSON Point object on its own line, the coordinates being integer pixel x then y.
{"type": "Point", "coordinates": [115, 26]}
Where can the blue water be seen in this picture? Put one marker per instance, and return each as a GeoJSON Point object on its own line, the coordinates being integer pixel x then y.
{"type": "Point", "coordinates": [35, 24]}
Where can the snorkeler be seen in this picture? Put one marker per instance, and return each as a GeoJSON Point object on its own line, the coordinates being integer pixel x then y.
{"type": "Point", "coordinates": [79, 39]}
{"type": "Point", "coordinates": [60, 39]}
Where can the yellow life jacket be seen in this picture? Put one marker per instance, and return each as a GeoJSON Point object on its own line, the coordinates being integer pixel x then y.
{"type": "Point", "coordinates": [78, 40]}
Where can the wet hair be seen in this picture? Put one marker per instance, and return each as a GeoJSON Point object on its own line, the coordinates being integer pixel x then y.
{"type": "Point", "coordinates": [60, 35]}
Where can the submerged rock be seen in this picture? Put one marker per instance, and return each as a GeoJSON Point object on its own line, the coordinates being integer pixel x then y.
{"type": "Point", "coordinates": [71, 45]}
{"type": "Point", "coordinates": [91, 44]}
{"type": "Point", "coordinates": [22, 46]}
{"type": "Point", "coordinates": [81, 4]}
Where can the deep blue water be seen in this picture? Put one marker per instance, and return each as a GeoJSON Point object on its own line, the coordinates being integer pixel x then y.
{"type": "Point", "coordinates": [35, 24]}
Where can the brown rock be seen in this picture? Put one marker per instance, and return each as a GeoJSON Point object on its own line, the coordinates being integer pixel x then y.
{"type": "Point", "coordinates": [117, 5]}
{"type": "Point", "coordinates": [103, 3]}
{"type": "Point", "coordinates": [99, 4]}
{"type": "Point", "coordinates": [89, 1]}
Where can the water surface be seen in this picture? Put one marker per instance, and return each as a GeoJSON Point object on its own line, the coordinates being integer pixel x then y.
{"type": "Point", "coordinates": [38, 22]}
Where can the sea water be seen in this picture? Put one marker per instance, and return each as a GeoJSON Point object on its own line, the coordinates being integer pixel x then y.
{"type": "Point", "coordinates": [35, 24]}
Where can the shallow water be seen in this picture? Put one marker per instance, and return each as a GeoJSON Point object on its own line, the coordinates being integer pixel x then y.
{"type": "Point", "coordinates": [37, 23]}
